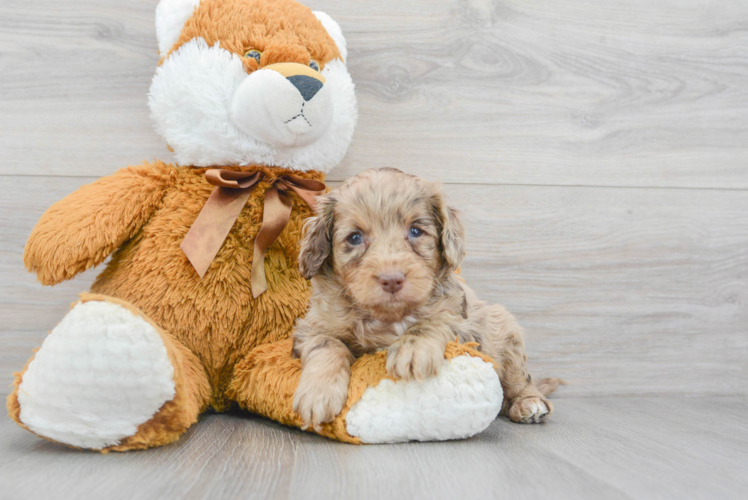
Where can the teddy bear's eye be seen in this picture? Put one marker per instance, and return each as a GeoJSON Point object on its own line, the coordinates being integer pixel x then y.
{"type": "Point", "coordinates": [254, 54]}
{"type": "Point", "coordinates": [314, 65]}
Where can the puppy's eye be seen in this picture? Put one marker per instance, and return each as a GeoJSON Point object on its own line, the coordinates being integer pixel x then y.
{"type": "Point", "coordinates": [355, 239]}
{"type": "Point", "coordinates": [254, 54]}
{"type": "Point", "coordinates": [314, 65]}
{"type": "Point", "coordinates": [415, 232]}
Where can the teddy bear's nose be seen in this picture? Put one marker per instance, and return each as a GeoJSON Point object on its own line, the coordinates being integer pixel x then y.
{"type": "Point", "coordinates": [306, 85]}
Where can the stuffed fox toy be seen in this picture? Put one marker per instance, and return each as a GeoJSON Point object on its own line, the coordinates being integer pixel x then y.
{"type": "Point", "coordinates": [196, 307]}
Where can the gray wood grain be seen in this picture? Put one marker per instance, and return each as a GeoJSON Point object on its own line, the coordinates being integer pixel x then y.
{"type": "Point", "coordinates": [512, 92]}
{"type": "Point", "coordinates": [621, 291]}
{"type": "Point", "coordinates": [653, 447]}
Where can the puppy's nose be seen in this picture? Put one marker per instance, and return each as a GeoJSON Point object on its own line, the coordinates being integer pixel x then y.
{"type": "Point", "coordinates": [306, 85]}
{"type": "Point", "coordinates": [391, 282]}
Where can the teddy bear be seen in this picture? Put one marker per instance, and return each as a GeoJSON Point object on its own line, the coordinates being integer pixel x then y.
{"type": "Point", "coordinates": [196, 305]}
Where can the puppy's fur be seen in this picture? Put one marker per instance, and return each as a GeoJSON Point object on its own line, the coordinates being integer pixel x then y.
{"type": "Point", "coordinates": [380, 226]}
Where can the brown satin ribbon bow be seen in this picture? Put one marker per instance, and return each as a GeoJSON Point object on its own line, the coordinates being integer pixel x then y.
{"type": "Point", "coordinates": [213, 224]}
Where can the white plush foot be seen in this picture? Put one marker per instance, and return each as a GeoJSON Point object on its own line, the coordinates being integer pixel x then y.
{"type": "Point", "coordinates": [101, 373]}
{"type": "Point", "coordinates": [459, 402]}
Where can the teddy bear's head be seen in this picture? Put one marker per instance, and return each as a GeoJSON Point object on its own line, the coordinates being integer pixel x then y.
{"type": "Point", "coordinates": [244, 82]}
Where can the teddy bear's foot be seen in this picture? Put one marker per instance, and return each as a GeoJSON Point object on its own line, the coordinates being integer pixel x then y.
{"type": "Point", "coordinates": [461, 401]}
{"type": "Point", "coordinates": [105, 378]}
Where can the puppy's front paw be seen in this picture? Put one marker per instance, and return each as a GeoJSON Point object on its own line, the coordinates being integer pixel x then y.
{"type": "Point", "coordinates": [413, 356]}
{"type": "Point", "coordinates": [532, 410]}
{"type": "Point", "coordinates": [319, 401]}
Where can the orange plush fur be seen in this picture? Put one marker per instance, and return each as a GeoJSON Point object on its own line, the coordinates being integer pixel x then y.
{"type": "Point", "coordinates": [143, 213]}
{"type": "Point", "coordinates": [215, 317]}
{"type": "Point", "coordinates": [282, 31]}
{"type": "Point", "coordinates": [267, 379]}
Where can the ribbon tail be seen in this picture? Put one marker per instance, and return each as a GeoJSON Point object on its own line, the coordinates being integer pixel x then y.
{"type": "Point", "coordinates": [275, 216]}
{"type": "Point", "coordinates": [213, 224]}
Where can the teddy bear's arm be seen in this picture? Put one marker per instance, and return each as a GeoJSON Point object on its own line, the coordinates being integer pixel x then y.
{"type": "Point", "coordinates": [82, 229]}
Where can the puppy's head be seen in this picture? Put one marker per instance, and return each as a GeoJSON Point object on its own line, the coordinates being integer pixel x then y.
{"type": "Point", "coordinates": [386, 238]}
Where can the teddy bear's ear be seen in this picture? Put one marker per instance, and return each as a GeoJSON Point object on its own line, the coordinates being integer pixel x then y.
{"type": "Point", "coordinates": [333, 29]}
{"type": "Point", "coordinates": [170, 18]}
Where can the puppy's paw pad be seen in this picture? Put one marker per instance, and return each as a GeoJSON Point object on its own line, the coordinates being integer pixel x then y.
{"type": "Point", "coordinates": [408, 359]}
{"type": "Point", "coordinates": [317, 404]}
{"type": "Point", "coordinates": [532, 410]}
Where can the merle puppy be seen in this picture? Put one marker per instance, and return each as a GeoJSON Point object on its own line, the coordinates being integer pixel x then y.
{"type": "Point", "coordinates": [382, 254]}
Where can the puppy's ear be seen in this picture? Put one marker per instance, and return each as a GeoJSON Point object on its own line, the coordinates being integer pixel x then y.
{"type": "Point", "coordinates": [317, 242]}
{"type": "Point", "coordinates": [451, 229]}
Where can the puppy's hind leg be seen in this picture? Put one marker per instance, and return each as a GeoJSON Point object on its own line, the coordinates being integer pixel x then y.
{"type": "Point", "coordinates": [524, 402]}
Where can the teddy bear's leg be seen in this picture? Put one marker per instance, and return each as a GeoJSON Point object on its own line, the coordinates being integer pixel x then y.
{"type": "Point", "coordinates": [107, 378]}
{"type": "Point", "coordinates": [459, 402]}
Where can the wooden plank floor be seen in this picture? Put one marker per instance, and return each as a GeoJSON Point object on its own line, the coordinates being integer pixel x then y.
{"type": "Point", "coordinates": [627, 447]}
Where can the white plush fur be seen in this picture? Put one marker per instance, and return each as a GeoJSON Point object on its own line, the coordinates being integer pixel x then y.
{"type": "Point", "coordinates": [171, 15]}
{"type": "Point", "coordinates": [282, 117]}
{"type": "Point", "coordinates": [100, 373]}
{"type": "Point", "coordinates": [212, 113]}
{"type": "Point", "coordinates": [460, 402]}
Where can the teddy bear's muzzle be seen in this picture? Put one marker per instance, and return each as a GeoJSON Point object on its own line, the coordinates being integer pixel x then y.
{"type": "Point", "coordinates": [284, 105]}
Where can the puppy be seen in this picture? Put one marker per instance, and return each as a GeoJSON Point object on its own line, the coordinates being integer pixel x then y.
{"type": "Point", "coordinates": [382, 254]}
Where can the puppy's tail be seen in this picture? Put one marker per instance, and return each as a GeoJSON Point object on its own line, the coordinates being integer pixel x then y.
{"type": "Point", "coordinates": [548, 385]}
